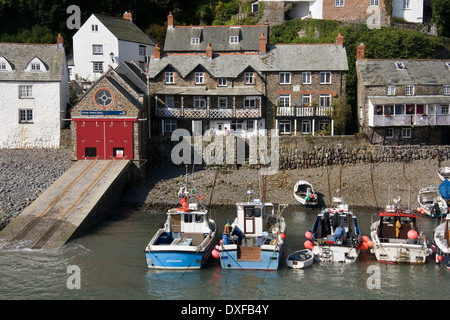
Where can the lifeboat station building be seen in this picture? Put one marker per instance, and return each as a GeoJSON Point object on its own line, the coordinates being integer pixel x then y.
{"type": "Point", "coordinates": [110, 120]}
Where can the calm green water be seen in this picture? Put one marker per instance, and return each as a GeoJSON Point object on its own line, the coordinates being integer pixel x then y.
{"type": "Point", "coordinates": [111, 265]}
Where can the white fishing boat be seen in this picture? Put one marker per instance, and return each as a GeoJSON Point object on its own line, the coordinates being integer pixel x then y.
{"type": "Point", "coordinates": [396, 237]}
{"type": "Point", "coordinates": [300, 259]}
{"type": "Point", "coordinates": [444, 173]}
{"type": "Point", "coordinates": [431, 202]}
{"type": "Point", "coordinates": [442, 240]}
{"type": "Point", "coordinates": [335, 235]}
{"type": "Point", "coordinates": [255, 238]}
{"type": "Point", "coordinates": [304, 193]}
{"type": "Point", "coordinates": [185, 241]}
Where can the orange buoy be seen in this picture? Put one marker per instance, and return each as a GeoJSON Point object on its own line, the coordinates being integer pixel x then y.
{"type": "Point", "coordinates": [308, 234]}
{"type": "Point", "coordinates": [308, 244]}
{"type": "Point", "coordinates": [215, 254]}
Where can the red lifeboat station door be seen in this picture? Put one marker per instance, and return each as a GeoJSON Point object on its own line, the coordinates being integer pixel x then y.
{"type": "Point", "coordinates": [104, 139]}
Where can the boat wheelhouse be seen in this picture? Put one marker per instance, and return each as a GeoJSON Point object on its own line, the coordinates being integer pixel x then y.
{"type": "Point", "coordinates": [255, 239]}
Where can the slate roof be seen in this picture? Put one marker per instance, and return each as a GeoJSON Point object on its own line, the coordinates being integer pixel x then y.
{"type": "Point", "coordinates": [178, 39]}
{"type": "Point", "coordinates": [124, 29]}
{"type": "Point", "coordinates": [19, 55]}
{"type": "Point", "coordinates": [133, 75]}
{"type": "Point", "coordinates": [416, 72]}
{"type": "Point", "coordinates": [319, 57]}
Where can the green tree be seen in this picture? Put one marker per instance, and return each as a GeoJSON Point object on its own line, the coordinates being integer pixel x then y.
{"type": "Point", "coordinates": [441, 14]}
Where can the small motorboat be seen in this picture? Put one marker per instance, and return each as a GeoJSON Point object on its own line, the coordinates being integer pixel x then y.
{"type": "Point", "coordinates": [444, 173]}
{"type": "Point", "coordinates": [431, 202]}
{"type": "Point", "coordinates": [300, 259]}
{"type": "Point", "coordinates": [441, 240]}
{"type": "Point", "coordinates": [304, 193]}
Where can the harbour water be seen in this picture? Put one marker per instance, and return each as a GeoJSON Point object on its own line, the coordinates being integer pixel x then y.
{"type": "Point", "coordinates": [109, 263]}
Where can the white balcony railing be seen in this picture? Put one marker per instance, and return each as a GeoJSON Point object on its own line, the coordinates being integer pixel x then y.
{"type": "Point", "coordinates": [205, 113]}
{"type": "Point", "coordinates": [409, 119]}
{"type": "Point", "coordinates": [304, 111]}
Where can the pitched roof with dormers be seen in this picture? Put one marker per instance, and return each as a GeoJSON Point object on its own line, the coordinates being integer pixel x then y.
{"type": "Point", "coordinates": [19, 56]}
{"type": "Point", "coordinates": [178, 39]}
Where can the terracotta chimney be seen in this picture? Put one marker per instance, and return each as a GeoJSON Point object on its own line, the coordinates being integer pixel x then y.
{"type": "Point", "coordinates": [209, 51]}
{"type": "Point", "coordinates": [60, 41]}
{"type": "Point", "coordinates": [262, 44]}
{"type": "Point", "coordinates": [340, 40]}
{"type": "Point", "coordinates": [128, 16]}
{"type": "Point", "coordinates": [170, 21]}
{"type": "Point", "coordinates": [360, 51]}
{"type": "Point", "coordinates": [157, 52]}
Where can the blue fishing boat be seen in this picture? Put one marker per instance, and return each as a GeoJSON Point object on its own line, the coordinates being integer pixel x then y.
{"type": "Point", "coordinates": [255, 239]}
{"type": "Point", "coordinates": [186, 239]}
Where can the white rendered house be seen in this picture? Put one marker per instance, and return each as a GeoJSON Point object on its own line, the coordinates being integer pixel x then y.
{"type": "Point", "coordinates": [410, 10]}
{"type": "Point", "coordinates": [104, 42]}
{"type": "Point", "coordinates": [34, 92]}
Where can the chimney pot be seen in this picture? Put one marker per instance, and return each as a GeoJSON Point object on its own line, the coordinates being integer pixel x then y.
{"type": "Point", "coordinates": [60, 41]}
{"type": "Point", "coordinates": [209, 51]}
{"type": "Point", "coordinates": [157, 52]}
{"type": "Point", "coordinates": [262, 44]}
{"type": "Point", "coordinates": [360, 51]}
{"type": "Point", "coordinates": [128, 16]}
{"type": "Point", "coordinates": [170, 21]}
{"type": "Point", "coordinates": [340, 40]}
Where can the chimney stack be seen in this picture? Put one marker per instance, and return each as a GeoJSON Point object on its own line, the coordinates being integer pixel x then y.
{"type": "Point", "coordinates": [60, 41]}
{"type": "Point", "coordinates": [360, 51]}
{"type": "Point", "coordinates": [262, 44]}
{"type": "Point", "coordinates": [157, 52]}
{"type": "Point", "coordinates": [170, 21]}
{"type": "Point", "coordinates": [340, 40]}
{"type": "Point", "coordinates": [128, 16]}
{"type": "Point", "coordinates": [209, 51]}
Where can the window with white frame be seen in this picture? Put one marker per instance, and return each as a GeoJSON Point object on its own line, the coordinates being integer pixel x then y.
{"type": "Point", "coordinates": [237, 125]}
{"type": "Point", "coordinates": [306, 77]}
{"type": "Point", "coordinates": [25, 115]}
{"type": "Point", "coordinates": [284, 100]}
{"type": "Point", "coordinates": [374, 3]}
{"type": "Point", "coordinates": [325, 77]}
{"type": "Point", "coordinates": [390, 90]}
{"type": "Point", "coordinates": [325, 100]}
{"type": "Point", "coordinates": [199, 78]}
{"type": "Point", "coordinates": [339, 3]}
{"type": "Point", "coordinates": [222, 102]}
{"type": "Point", "coordinates": [35, 66]}
{"type": "Point", "coordinates": [169, 77]}
{"type": "Point", "coordinates": [446, 89]}
{"type": "Point", "coordinates": [400, 66]}
{"type": "Point", "coordinates": [406, 133]}
{"type": "Point", "coordinates": [170, 125]}
{"type": "Point", "coordinates": [97, 49]}
{"type": "Point", "coordinates": [169, 102]}
{"type": "Point", "coordinates": [94, 27]}
{"type": "Point", "coordinates": [222, 82]}
{"type": "Point", "coordinates": [406, 4]}
{"type": "Point", "coordinates": [234, 39]}
{"type": "Point", "coordinates": [306, 126]}
{"type": "Point", "coordinates": [306, 99]}
{"type": "Point", "coordinates": [409, 90]}
{"type": "Point", "coordinates": [97, 66]}
{"type": "Point", "coordinates": [195, 40]}
{"type": "Point", "coordinates": [285, 78]}
{"type": "Point", "coordinates": [250, 102]}
{"type": "Point", "coordinates": [25, 91]}
{"type": "Point", "coordinates": [285, 126]}
{"type": "Point", "coordinates": [249, 78]}
{"type": "Point", "coordinates": [199, 102]}
{"type": "Point", "coordinates": [3, 66]}
{"type": "Point", "coordinates": [389, 133]}
{"type": "Point", "coordinates": [443, 109]}
{"type": "Point", "coordinates": [250, 125]}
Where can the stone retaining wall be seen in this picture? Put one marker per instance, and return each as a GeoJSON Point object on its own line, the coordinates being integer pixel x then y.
{"type": "Point", "coordinates": [309, 152]}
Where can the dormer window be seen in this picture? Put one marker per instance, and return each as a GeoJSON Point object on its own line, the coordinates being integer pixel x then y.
{"type": "Point", "coordinates": [400, 66]}
{"type": "Point", "coordinates": [195, 40]}
{"type": "Point", "coordinates": [36, 65]}
{"type": "Point", "coordinates": [5, 65]}
{"type": "Point", "coordinates": [448, 65]}
{"type": "Point", "coordinates": [234, 39]}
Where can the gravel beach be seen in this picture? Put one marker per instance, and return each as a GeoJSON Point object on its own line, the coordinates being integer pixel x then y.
{"type": "Point", "coordinates": [25, 174]}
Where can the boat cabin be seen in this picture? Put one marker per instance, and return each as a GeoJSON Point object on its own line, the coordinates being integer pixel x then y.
{"type": "Point", "coordinates": [395, 224]}
{"type": "Point", "coordinates": [327, 222]}
{"type": "Point", "coordinates": [255, 217]}
{"type": "Point", "coordinates": [191, 225]}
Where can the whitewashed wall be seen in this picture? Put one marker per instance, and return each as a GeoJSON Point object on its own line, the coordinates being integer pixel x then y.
{"type": "Point", "coordinates": [413, 14]}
